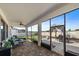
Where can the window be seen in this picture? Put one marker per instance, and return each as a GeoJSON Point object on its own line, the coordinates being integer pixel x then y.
{"type": "Point", "coordinates": [2, 30]}
{"type": "Point", "coordinates": [46, 32]}
{"type": "Point", "coordinates": [57, 34]}
{"type": "Point", "coordinates": [72, 31]}
{"type": "Point", "coordinates": [29, 32]}
{"type": "Point", "coordinates": [35, 32]}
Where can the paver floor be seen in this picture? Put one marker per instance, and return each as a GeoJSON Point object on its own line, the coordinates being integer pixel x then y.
{"type": "Point", "coordinates": [31, 49]}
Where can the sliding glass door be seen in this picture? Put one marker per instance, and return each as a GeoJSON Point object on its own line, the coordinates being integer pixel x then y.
{"type": "Point", "coordinates": [57, 34]}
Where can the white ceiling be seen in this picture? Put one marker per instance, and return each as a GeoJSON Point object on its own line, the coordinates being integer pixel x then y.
{"type": "Point", "coordinates": [24, 12]}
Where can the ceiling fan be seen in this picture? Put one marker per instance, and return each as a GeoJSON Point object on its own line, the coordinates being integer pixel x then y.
{"type": "Point", "coordinates": [21, 24]}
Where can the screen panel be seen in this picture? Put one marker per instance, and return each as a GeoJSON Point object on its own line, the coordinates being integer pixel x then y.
{"type": "Point", "coordinates": [35, 32]}
{"type": "Point", "coordinates": [72, 32]}
{"type": "Point", "coordinates": [57, 34]}
{"type": "Point", "coordinates": [46, 32]}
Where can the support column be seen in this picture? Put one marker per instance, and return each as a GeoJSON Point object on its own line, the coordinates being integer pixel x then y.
{"type": "Point", "coordinates": [26, 32]}
{"type": "Point", "coordinates": [39, 34]}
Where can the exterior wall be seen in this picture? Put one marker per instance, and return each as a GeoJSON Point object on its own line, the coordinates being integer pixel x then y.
{"type": "Point", "coordinates": [0, 30]}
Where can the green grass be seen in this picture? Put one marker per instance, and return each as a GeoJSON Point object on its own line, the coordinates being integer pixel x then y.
{"type": "Point", "coordinates": [34, 37]}
{"type": "Point", "coordinates": [22, 37]}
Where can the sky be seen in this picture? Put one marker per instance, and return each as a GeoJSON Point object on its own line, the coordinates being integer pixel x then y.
{"type": "Point", "coordinates": [72, 21]}
{"type": "Point", "coordinates": [46, 25]}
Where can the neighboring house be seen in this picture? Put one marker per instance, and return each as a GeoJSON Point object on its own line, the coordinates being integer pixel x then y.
{"type": "Point", "coordinates": [56, 31]}
{"type": "Point", "coordinates": [18, 32]}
